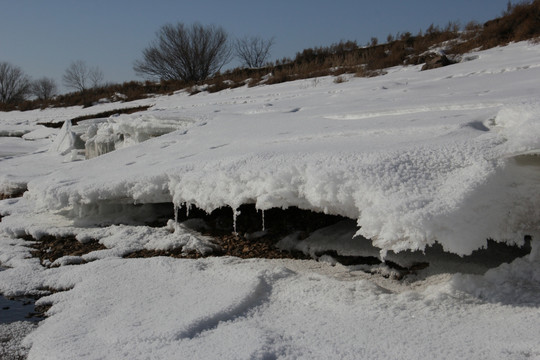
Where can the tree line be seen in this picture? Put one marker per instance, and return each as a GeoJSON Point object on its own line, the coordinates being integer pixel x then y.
{"type": "Point", "coordinates": [16, 86]}
{"type": "Point", "coordinates": [180, 53]}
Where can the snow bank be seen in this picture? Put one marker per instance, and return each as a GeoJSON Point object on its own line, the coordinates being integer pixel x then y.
{"type": "Point", "coordinates": [15, 131]}
{"type": "Point", "coordinates": [243, 309]}
{"type": "Point", "coordinates": [415, 157]}
{"type": "Point", "coordinates": [41, 132]}
{"type": "Point", "coordinates": [410, 176]}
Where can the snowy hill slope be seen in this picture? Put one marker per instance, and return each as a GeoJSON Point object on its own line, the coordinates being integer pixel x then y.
{"type": "Point", "coordinates": [448, 155]}
{"type": "Point", "coordinates": [416, 157]}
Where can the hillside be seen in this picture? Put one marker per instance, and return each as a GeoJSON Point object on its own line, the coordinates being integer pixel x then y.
{"type": "Point", "coordinates": [519, 22]}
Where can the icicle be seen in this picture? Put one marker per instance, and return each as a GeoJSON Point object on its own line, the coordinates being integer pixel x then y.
{"type": "Point", "coordinates": [176, 209]}
{"type": "Point", "coordinates": [263, 226]}
{"type": "Point", "coordinates": [188, 207]}
{"type": "Point", "coordinates": [235, 214]}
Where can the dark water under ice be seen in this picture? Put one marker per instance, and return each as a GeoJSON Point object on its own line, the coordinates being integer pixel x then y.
{"type": "Point", "coordinates": [19, 309]}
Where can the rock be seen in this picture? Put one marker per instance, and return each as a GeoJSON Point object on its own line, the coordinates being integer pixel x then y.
{"type": "Point", "coordinates": [436, 61]}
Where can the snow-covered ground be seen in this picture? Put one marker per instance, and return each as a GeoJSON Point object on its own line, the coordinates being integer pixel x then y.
{"type": "Point", "coordinates": [448, 156]}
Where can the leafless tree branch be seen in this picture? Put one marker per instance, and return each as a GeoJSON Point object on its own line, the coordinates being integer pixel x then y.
{"type": "Point", "coordinates": [253, 52]}
{"type": "Point", "coordinates": [79, 76]}
{"type": "Point", "coordinates": [14, 84]}
{"type": "Point", "coordinates": [44, 88]}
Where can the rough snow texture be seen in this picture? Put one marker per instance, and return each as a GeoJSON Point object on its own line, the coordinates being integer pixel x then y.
{"type": "Point", "coordinates": [235, 309]}
{"type": "Point", "coordinates": [11, 336]}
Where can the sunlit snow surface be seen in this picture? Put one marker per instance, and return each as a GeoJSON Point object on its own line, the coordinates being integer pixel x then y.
{"type": "Point", "coordinates": [447, 155]}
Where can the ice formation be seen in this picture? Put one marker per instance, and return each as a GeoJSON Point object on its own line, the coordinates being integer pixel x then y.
{"type": "Point", "coordinates": [66, 140]}
{"type": "Point", "coordinates": [127, 130]}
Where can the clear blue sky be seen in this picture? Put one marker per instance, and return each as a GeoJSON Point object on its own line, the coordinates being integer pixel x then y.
{"type": "Point", "coordinates": [44, 37]}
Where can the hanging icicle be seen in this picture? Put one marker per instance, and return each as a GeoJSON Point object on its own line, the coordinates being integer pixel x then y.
{"type": "Point", "coordinates": [236, 212]}
{"type": "Point", "coordinates": [263, 225]}
{"type": "Point", "coordinates": [176, 209]}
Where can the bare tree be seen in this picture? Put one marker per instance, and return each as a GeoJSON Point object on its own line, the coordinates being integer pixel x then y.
{"type": "Point", "coordinates": [185, 53]}
{"type": "Point", "coordinates": [80, 77]}
{"type": "Point", "coordinates": [76, 76]}
{"type": "Point", "coordinates": [44, 88]}
{"type": "Point", "coordinates": [14, 84]}
{"type": "Point", "coordinates": [95, 75]}
{"type": "Point", "coordinates": [253, 52]}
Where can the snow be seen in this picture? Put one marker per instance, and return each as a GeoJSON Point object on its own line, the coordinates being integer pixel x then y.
{"type": "Point", "coordinates": [420, 162]}
{"type": "Point", "coordinates": [416, 157]}
{"type": "Point", "coordinates": [232, 308]}
{"type": "Point", "coordinates": [10, 339]}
